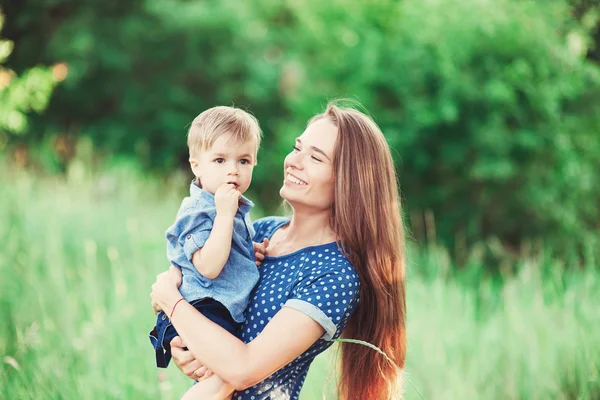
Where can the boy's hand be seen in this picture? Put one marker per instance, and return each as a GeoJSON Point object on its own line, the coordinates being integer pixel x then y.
{"type": "Point", "coordinates": [259, 251]}
{"type": "Point", "coordinates": [227, 200]}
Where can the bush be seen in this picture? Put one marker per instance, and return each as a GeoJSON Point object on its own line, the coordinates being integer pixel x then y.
{"type": "Point", "coordinates": [20, 95]}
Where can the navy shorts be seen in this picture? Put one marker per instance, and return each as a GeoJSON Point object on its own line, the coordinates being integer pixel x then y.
{"type": "Point", "coordinates": [164, 332]}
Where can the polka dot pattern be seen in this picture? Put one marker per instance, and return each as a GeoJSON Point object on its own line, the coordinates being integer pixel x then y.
{"type": "Point", "coordinates": [318, 281]}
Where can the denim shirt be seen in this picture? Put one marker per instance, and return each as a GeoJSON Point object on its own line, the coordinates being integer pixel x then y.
{"type": "Point", "coordinates": [189, 233]}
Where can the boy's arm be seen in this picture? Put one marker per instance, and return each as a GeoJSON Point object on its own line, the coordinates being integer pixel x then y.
{"type": "Point", "coordinates": [210, 259]}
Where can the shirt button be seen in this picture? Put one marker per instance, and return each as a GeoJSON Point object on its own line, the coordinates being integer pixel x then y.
{"type": "Point", "coordinates": [189, 236]}
{"type": "Point", "coordinates": [164, 317]}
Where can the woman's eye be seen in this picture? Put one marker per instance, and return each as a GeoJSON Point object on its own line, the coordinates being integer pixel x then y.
{"type": "Point", "coordinates": [219, 160]}
{"type": "Point", "coordinates": [296, 148]}
{"type": "Point", "coordinates": [316, 158]}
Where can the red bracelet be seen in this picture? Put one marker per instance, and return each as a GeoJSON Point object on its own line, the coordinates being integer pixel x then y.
{"type": "Point", "coordinates": [175, 305]}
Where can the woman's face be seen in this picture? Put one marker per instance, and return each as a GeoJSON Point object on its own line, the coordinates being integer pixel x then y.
{"type": "Point", "coordinates": [308, 180]}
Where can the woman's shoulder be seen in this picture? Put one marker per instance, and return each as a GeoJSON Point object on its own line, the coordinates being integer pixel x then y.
{"type": "Point", "coordinates": [329, 259]}
{"type": "Point", "coordinates": [264, 227]}
{"type": "Point", "coordinates": [328, 282]}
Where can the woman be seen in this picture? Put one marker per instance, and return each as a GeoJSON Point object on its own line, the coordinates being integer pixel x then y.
{"type": "Point", "coordinates": [344, 242]}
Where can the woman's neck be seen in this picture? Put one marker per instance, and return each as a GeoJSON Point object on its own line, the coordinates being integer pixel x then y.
{"type": "Point", "coordinates": [307, 227]}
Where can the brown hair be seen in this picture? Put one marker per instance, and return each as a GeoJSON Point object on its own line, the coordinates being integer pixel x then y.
{"type": "Point", "coordinates": [222, 120]}
{"type": "Point", "coordinates": [366, 218]}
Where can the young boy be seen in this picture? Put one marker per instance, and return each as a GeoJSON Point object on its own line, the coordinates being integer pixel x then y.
{"type": "Point", "coordinates": [211, 239]}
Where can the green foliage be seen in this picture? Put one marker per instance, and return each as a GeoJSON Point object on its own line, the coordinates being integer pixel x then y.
{"type": "Point", "coordinates": [20, 95]}
{"type": "Point", "coordinates": [80, 253]}
{"type": "Point", "coordinates": [492, 107]}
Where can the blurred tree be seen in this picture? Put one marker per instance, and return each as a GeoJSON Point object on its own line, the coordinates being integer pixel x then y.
{"type": "Point", "coordinates": [587, 12]}
{"type": "Point", "coordinates": [20, 95]}
{"type": "Point", "coordinates": [139, 72]}
{"type": "Point", "coordinates": [492, 106]}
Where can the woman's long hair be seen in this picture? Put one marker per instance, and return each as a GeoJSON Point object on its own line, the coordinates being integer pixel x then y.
{"type": "Point", "coordinates": [367, 219]}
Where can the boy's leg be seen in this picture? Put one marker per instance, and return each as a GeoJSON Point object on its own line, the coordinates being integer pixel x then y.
{"type": "Point", "coordinates": [217, 313]}
{"type": "Point", "coordinates": [161, 337]}
{"type": "Point", "coordinates": [212, 388]}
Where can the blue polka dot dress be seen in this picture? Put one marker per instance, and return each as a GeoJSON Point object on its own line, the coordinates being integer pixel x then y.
{"type": "Point", "coordinates": [318, 281]}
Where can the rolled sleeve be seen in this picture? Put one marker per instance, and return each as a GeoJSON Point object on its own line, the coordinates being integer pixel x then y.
{"type": "Point", "coordinates": [194, 241]}
{"type": "Point", "coordinates": [328, 299]}
{"type": "Point", "coordinates": [191, 230]}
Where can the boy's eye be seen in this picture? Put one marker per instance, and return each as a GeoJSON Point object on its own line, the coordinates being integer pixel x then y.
{"type": "Point", "coordinates": [244, 161]}
{"type": "Point", "coordinates": [219, 160]}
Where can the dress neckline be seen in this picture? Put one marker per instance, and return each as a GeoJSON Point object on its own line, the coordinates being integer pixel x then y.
{"type": "Point", "coordinates": [281, 223]}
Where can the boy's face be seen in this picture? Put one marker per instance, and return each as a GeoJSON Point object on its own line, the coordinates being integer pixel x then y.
{"type": "Point", "coordinates": [225, 162]}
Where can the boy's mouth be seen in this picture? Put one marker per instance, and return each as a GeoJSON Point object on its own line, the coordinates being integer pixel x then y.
{"type": "Point", "coordinates": [235, 184]}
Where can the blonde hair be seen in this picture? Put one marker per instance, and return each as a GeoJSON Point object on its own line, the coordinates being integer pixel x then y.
{"type": "Point", "coordinates": [236, 123]}
{"type": "Point", "coordinates": [366, 216]}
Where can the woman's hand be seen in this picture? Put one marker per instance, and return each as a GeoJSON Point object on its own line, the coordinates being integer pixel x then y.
{"type": "Point", "coordinates": [259, 251]}
{"type": "Point", "coordinates": [185, 361]}
{"type": "Point", "coordinates": [165, 290]}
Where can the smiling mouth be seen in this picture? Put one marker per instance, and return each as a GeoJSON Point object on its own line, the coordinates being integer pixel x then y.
{"type": "Point", "coordinates": [293, 179]}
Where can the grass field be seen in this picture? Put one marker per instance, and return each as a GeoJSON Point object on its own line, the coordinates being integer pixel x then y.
{"type": "Point", "coordinates": [78, 255]}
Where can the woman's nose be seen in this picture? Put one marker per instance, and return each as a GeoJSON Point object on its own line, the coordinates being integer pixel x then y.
{"type": "Point", "coordinates": [296, 159]}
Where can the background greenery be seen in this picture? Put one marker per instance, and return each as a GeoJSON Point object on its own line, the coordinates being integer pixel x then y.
{"type": "Point", "coordinates": [81, 251]}
{"type": "Point", "coordinates": [492, 109]}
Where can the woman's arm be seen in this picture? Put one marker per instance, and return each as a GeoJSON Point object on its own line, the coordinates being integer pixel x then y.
{"type": "Point", "coordinates": [289, 334]}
